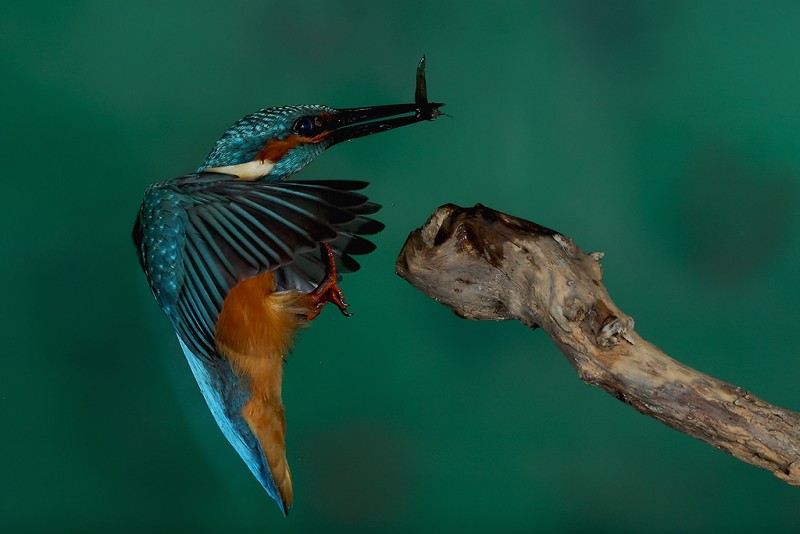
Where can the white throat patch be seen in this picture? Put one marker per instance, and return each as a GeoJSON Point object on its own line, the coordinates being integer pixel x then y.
{"type": "Point", "coordinates": [252, 170]}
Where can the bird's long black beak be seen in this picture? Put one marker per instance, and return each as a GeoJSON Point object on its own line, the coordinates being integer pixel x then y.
{"type": "Point", "coordinates": [353, 123]}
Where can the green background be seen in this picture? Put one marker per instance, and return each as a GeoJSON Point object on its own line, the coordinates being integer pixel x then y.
{"type": "Point", "coordinates": [666, 134]}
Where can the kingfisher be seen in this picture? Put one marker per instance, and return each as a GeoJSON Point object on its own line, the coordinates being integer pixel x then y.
{"type": "Point", "coordinates": [240, 259]}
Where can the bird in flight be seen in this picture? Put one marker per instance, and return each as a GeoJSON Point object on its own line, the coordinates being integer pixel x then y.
{"type": "Point", "coordinates": [240, 259]}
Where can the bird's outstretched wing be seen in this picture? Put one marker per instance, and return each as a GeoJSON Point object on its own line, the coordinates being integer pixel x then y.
{"type": "Point", "coordinates": [199, 235]}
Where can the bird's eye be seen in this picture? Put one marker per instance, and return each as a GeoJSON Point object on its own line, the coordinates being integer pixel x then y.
{"type": "Point", "coordinates": [304, 126]}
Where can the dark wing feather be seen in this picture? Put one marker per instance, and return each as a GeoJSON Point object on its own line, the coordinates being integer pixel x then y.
{"type": "Point", "coordinates": [227, 230]}
{"type": "Point", "coordinates": [308, 268]}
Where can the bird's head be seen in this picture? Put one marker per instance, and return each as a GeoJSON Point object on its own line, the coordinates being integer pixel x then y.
{"type": "Point", "coordinates": [278, 142]}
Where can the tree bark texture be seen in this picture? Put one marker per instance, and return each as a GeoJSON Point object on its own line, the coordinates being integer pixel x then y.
{"type": "Point", "coordinates": [486, 265]}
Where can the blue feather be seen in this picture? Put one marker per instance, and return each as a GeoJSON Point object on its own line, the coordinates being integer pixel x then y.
{"type": "Point", "coordinates": [199, 235]}
{"type": "Point", "coordinates": [245, 139]}
{"type": "Point", "coordinates": [226, 395]}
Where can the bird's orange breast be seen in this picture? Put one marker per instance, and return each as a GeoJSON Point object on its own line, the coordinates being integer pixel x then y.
{"type": "Point", "coordinates": [255, 331]}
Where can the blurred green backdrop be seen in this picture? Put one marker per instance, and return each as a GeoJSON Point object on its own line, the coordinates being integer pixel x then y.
{"type": "Point", "coordinates": [666, 134]}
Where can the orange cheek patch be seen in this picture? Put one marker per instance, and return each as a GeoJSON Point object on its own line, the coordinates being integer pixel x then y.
{"type": "Point", "coordinates": [276, 149]}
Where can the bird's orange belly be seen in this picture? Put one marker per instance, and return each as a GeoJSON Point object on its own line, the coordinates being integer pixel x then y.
{"type": "Point", "coordinates": [255, 331]}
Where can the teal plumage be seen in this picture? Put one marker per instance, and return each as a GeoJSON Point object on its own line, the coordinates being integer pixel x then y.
{"type": "Point", "coordinates": [201, 234]}
{"type": "Point", "coordinates": [232, 256]}
{"type": "Point", "coordinates": [246, 138]}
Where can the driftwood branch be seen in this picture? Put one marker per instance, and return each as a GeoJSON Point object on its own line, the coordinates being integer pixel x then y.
{"type": "Point", "coordinates": [484, 264]}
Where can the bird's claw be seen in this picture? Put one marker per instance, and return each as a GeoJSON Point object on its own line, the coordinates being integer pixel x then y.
{"type": "Point", "coordinates": [328, 289]}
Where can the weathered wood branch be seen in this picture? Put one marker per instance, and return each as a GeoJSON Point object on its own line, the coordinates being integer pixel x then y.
{"type": "Point", "coordinates": [484, 264]}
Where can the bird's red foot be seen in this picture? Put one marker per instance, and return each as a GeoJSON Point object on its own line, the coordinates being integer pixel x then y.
{"type": "Point", "coordinates": [327, 290]}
